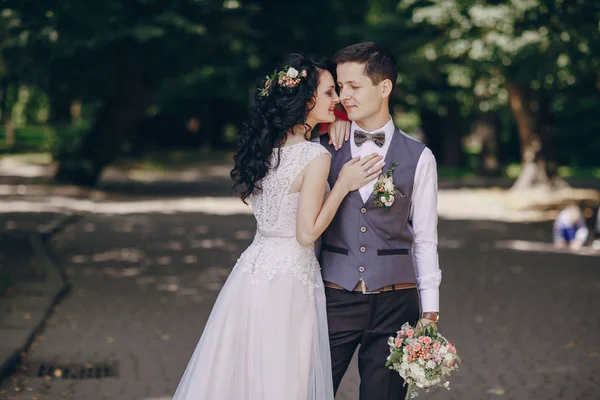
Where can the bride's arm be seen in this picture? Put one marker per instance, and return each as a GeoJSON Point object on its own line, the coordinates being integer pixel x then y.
{"type": "Point", "coordinates": [314, 215]}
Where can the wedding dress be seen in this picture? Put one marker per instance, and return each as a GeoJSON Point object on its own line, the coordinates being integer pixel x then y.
{"type": "Point", "coordinates": [266, 337]}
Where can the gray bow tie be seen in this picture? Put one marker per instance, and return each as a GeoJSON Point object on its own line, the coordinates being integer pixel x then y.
{"type": "Point", "coordinates": [360, 137]}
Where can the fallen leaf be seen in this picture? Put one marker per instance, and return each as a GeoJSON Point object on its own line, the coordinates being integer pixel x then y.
{"type": "Point", "coordinates": [165, 337]}
{"type": "Point", "coordinates": [496, 391]}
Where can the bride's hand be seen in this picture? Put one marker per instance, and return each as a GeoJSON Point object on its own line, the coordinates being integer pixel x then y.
{"type": "Point", "coordinates": [339, 131]}
{"type": "Point", "coordinates": [357, 172]}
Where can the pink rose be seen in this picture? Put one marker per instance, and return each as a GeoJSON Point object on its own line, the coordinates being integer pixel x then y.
{"type": "Point", "coordinates": [427, 340]}
{"type": "Point", "coordinates": [436, 345]}
{"type": "Point", "coordinates": [417, 346]}
{"type": "Point", "coordinates": [410, 333]}
{"type": "Point", "coordinates": [398, 342]}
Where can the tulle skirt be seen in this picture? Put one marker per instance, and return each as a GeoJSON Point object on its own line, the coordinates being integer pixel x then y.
{"type": "Point", "coordinates": [266, 339]}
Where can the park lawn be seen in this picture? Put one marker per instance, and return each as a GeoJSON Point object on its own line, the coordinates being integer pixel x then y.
{"type": "Point", "coordinates": [30, 138]}
{"type": "Point", "coordinates": [34, 143]}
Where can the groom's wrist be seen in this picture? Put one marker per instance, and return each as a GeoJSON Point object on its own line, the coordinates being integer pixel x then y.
{"type": "Point", "coordinates": [432, 316]}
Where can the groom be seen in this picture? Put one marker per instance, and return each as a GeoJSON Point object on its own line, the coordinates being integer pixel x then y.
{"type": "Point", "coordinates": [380, 266]}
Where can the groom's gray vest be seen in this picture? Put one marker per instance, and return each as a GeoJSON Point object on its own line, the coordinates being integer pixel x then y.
{"type": "Point", "coordinates": [366, 241]}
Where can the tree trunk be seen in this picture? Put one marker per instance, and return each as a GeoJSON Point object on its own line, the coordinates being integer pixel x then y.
{"type": "Point", "coordinates": [538, 172]}
{"type": "Point", "coordinates": [452, 151]}
{"type": "Point", "coordinates": [9, 130]}
{"type": "Point", "coordinates": [6, 112]}
{"type": "Point", "coordinates": [60, 109]}
{"type": "Point", "coordinates": [452, 130]}
{"type": "Point", "coordinates": [485, 129]}
{"type": "Point", "coordinates": [443, 135]}
{"type": "Point", "coordinates": [432, 127]}
{"type": "Point", "coordinates": [3, 101]}
{"type": "Point", "coordinates": [119, 118]}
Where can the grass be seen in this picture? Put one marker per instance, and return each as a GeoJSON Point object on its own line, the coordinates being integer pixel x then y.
{"type": "Point", "coordinates": [455, 173]}
{"type": "Point", "coordinates": [514, 170]}
{"type": "Point", "coordinates": [31, 138]}
{"type": "Point", "coordinates": [577, 172]}
{"type": "Point", "coordinates": [179, 160]}
{"type": "Point", "coordinates": [33, 158]}
{"type": "Point", "coordinates": [176, 160]}
{"type": "Point", "coordinates": [186, 159]}
{"type": "Point", "coordinates": [33, 144]}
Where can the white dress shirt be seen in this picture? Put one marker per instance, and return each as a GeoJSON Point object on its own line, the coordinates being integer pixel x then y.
{"type": "Point", "coordinates": [423, 213]}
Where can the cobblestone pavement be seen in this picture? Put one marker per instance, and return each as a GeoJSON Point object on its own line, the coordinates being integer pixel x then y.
{"type": "Point", "coordinates": [525, 323]}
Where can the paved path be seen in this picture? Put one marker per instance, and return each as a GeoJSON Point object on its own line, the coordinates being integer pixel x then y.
{"type": "Point", "coordinates": [525, 323]}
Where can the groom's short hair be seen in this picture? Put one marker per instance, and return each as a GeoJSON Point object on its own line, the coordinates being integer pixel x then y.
{"type": "Point", "coordinates": [380, 63]}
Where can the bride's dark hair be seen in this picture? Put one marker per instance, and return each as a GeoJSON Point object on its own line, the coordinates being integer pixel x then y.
{"type": "Point", "coordinates": [271, 116]}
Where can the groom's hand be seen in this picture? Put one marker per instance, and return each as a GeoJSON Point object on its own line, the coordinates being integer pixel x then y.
{"type": "Point", "coordinates": [429, 318]}
{"type": "Point", "coordinates": [425, 322]}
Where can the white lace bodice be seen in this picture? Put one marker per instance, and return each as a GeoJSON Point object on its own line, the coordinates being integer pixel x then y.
{"type": "Point", "coordinates": [274, 208]}
{"type": "Point", "coordinates": [275, 249]}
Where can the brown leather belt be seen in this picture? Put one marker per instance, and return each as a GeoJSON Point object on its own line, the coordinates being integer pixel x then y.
{"type": "Point", "coordinates": [359, 288]}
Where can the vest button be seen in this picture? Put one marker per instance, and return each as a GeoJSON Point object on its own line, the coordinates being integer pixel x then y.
{"type": "Point", "coordinates": [361, 269]}
{"type": "Point", "coordinates": [363, 249]}
{"type": "Point", "coordinates": [363, 210]}
{"type": "Point", "coordinates": [363, 229]}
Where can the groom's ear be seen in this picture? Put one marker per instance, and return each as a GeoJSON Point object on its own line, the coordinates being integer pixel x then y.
{"type": "Point", "coordinates": [386, 88]}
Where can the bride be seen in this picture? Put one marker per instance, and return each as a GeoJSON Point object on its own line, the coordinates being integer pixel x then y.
{"type": "Point", "coordinates": [266, 337]}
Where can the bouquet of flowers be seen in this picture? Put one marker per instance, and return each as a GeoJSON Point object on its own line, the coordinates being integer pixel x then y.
{"type": "Point", "coordinates": [422, 357]}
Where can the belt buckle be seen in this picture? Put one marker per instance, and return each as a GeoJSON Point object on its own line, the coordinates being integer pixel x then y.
{"type": "Point", "coordinates": [363, 286]}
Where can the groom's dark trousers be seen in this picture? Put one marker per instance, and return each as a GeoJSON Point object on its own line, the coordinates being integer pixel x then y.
{"type": "Point", "coordinates": [368, 320]}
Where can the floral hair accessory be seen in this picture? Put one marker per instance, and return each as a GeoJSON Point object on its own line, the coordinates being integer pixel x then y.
{"type": "Point", "coordinates": [288, 77]}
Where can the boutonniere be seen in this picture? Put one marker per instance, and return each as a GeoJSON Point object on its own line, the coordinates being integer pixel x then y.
{"type": "Point", "coordinates": [384, 190]}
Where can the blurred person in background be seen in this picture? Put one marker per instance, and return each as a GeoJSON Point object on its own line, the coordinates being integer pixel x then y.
{"type": "Point", "coordinates": [570, 229]}
{"type": "Point", "coordinates": [596, 242]}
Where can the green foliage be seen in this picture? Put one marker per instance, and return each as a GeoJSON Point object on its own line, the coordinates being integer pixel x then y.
{"type": "Point", "coordinates": [68, 141]}
{"type": "Point", "coordinates": [30, 138]}
{"type": "Point", "coordinates": [547, 44]}
{"type": "Point", "coordinates": [199, 60]}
